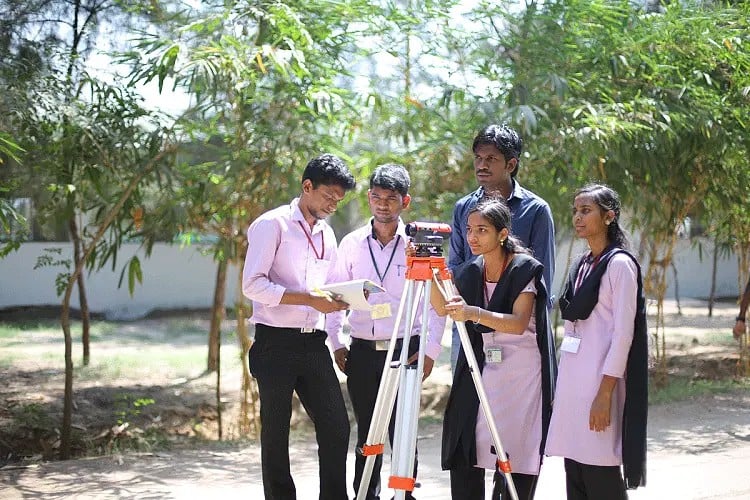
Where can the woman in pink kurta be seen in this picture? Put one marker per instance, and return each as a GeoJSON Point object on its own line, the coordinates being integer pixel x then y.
{"type": "Point", "coordinates": [517, 412]}
{"type": "Point", "coordinates": [503, 304]}
{"type": "Point", "coordinates": [602, 305]}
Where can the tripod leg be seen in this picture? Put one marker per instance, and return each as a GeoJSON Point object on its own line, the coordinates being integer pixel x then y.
{"type": "Point", "coordinates": [407, 411]}
{"type": "Point", "coordinates": [476, 375]}
{"type": "Point", "coordinates": [386, 397]}
{"type": "Point", "coordinates": [378, 426]}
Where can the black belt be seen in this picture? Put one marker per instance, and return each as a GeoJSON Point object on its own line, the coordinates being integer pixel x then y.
{"type": "Point", "coordinates": [301, 331]}
{"type": "Point", "coordinates": [378, 345]}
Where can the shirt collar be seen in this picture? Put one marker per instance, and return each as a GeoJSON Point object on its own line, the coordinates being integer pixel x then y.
{"type": "Point", "coordinates": [298, 217]}
{"type": "Point", "coordinates": [400, 229]}
{"type": "Point", "coordinates": [514, 191]}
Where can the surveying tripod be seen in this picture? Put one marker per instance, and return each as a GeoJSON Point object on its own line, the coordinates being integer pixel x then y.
{"type": "Point", "coordinates": [404, 380]}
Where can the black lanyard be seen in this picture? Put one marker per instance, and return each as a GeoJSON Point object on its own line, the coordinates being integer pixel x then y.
{"type": "Point", "coordinates": [375, 264]}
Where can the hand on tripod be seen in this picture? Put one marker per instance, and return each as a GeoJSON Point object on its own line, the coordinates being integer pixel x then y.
{"type": "Point", "coordinates": [459, 310]}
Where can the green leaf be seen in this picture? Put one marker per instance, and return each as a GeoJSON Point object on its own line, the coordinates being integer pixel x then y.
{"type": "Point", "coordinates": [135, 273]}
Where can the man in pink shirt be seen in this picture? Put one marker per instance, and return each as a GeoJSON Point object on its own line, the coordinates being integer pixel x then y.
{"type": "Point", "coordinates": [291, 251]}
{"type": "Point", "coordinates": [376, 251]}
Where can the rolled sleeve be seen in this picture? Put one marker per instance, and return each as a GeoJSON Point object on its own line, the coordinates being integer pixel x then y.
{"type": "Point", "coordinates": [622, 276]}
{"type": "Point", "coordinates": [264, 237]}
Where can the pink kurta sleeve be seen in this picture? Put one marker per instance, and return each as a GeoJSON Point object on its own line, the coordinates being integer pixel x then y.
{"type": "Point", "coordinates": [435, 334]}
{"type": "Point", "coordinates": [621, 278]}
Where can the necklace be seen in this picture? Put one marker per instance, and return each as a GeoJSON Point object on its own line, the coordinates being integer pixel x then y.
{"type": "Point", "coordinates": [486, 288]}
{"type": "Point", "coordinates": [506, 260]}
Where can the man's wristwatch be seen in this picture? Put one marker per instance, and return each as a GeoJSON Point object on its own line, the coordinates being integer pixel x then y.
{"type": "Point", "coordinates": [740, 318]}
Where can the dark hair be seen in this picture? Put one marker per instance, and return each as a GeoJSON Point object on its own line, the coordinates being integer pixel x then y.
{"type": "Point", "coordinates": [329, 170]}
{"type": "Point", "coordinates": [391, 176]}
{"type": "Point", "coordinates": [494, 208]}
{"type": "Point", "coordinates": [607, 199]}
{"type": "Point", "coordinates": [505, 139]}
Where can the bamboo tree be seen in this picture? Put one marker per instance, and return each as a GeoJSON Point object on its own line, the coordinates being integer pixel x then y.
{"type": "Point", "coordinates": [112, 214]}
{"type": "Point", "coordinates": [654, 105]}
{"type": "Point", "coordinates": [265, 99]}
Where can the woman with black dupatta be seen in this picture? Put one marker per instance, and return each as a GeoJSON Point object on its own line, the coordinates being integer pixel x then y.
{"type": "Point", "coordinates": [599, 416]}
{"type": "Point", "coordinates": [503, 301]}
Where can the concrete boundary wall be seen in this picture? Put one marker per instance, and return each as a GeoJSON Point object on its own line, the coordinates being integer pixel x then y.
{"type": "Point", "coordinates": [174, 277]}
{"type": "Point", "coordinates": [177, 277]}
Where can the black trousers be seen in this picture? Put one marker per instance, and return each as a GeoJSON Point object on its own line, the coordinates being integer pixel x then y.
{"type": "Point", "coordinates": [467, 483]}
{"type": "Point", "coordinates": [364, 369]}
{"type": "Point", "coordinates": [591, 482]}
{"type": "Point", "coordinates": [284, 361]}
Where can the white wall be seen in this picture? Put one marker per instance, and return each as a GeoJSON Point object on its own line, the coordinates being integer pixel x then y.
{"type": "Point", "coordinates": [175, 278]}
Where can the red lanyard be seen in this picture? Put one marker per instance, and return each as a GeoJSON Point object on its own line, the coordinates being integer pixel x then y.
{"type": "Point", "coordinates": [587, 266]}
{"type": "Point", "coordinates": [484, 284]}
{"type": "Point", "coordinates": [309, 239]}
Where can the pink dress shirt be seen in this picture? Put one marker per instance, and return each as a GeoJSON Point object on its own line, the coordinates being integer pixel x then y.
{"type": "Point", "coordinates": [605, 336]}
{"type": "Point", "coordinates": [514, 391]}
{"type": "Point", "coordinates": [280, 257]}
{"type": "Point", "coordinates": [355, 262]}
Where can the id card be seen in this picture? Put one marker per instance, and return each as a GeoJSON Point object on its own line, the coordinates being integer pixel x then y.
{"type": "Point", "coordinates": [493, 355]}
{"type": "Point", "coordinates": [380, 311]}
{"type": "Point", "coordinates": [570, 344]}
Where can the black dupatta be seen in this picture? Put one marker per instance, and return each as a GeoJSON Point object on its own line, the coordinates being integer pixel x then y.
{"type": "Point", "coordinates": [578, 304]}
{"type": "Point", "coordinates": [459, 424]}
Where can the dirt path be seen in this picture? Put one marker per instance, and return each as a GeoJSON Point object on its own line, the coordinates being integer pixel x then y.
{"type": "Point", "coordinates": [699, 449]}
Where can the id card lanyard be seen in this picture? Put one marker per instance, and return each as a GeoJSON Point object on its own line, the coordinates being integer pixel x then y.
{"type": "Point", "coordinates": [322, 254]}
{"type": "Point", "coordinates": [383, 310]}
{"type": "Point", "coordinates": [390, 260]}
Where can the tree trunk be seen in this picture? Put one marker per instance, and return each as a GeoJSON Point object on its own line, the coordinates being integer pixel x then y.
{"type": "Point", "coordinates": [218, 313]}
{"type": "Point", "coordinates": [65, 432]}
{"type": "Point", "coordinates": [743, 363]}
{"type": "Point", "coordinates": [676, 288]}
{"type": "Point", "coordinates": [82, 299]}
{"type": "Point", "coordinates": [218, 386]}
{"type": "Point", "coordinates": [712, 294]}
{"type": "Point", "coordinates": [248, 419]}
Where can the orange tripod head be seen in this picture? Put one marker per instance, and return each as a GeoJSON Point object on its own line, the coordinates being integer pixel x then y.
{"type": "Point", "coordinates": [427, 238]}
